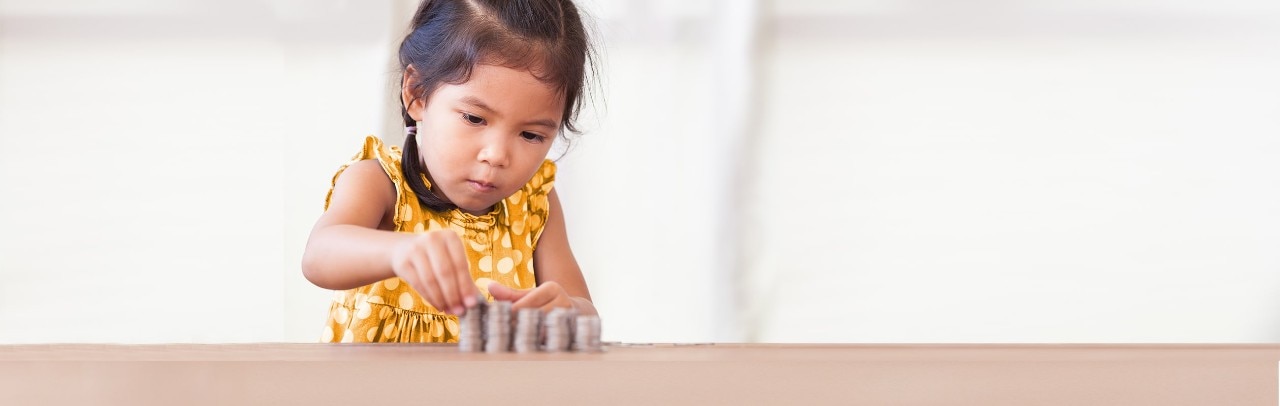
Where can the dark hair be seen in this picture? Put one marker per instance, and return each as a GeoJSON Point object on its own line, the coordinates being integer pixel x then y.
{"type": "Point", "coordinates": [449, 37]}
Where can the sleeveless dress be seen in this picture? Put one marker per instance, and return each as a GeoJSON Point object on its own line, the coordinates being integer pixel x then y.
{"type": "Point", "coordinates": [499, 248]}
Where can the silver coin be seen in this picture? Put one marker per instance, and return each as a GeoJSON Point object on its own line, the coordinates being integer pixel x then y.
{"type": "Point", "coordinates": [498, 327]}
{"type": "Point", "coordinates": [471, 336]}
{"type": "Point", "coordinates": [557, 333]}
{"type": "Point", "coordinates": [527, 330]}
{"type": "Point", "coordinates": [587, 335]}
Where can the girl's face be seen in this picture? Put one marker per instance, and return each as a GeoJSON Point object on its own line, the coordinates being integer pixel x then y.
{"type": "Point", "coordinates": [482, 140]}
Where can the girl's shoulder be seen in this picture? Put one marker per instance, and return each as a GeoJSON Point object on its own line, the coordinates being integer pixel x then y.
{"type": "Point", "coordinates": [373, 153]}
{"type": "Point", "coordinates": [386, 155]}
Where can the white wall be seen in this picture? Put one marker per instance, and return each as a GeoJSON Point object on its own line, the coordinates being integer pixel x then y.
{"type": "Point", "coordinates": [162, 163]}
{"type": "Point", "coordinates": [1031, 180]}
{"type": "Point", "coordinates": [918, 171]}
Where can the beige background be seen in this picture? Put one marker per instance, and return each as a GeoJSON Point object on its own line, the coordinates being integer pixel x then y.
{"type": "Point", "coordinates": [784, 171]}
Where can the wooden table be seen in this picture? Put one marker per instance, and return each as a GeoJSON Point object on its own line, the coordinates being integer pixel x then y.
{"type": "Point", "coordinates": [371, 374]}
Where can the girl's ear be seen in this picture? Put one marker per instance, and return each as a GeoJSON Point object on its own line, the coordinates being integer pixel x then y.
{"type": "Point", "coordinates": [412, 103]}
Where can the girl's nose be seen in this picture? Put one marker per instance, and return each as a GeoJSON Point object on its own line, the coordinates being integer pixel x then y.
{"type": "Point", "coordinates": [494, 152]}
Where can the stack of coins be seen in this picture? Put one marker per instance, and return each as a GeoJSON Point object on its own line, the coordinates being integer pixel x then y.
{"type": "Point", "coordinates": [527, 323]}
{"type": "Point", "coordinates": [471, 338]}
{"type": "Point", "coordinates": [487, 327]}
{"type": "Point", "coordinates": [556, 328]}
{"type": "Point", "coordinates": [587, 334]}
{"type": "Point", "coordinates": [498, 326]}
{"type": "Point", "coordinates": [571, 316]}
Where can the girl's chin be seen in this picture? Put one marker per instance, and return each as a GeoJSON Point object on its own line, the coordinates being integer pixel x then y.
{"type": "Point", "coordinates": [469, 203]}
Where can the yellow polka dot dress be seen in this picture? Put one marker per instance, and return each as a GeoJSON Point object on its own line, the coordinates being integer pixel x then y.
{"type": "Point", "coordinates": [499, 248]}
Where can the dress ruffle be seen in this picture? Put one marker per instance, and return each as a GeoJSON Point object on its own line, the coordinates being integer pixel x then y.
{"type": "Point", "coordinates": [356, 318]}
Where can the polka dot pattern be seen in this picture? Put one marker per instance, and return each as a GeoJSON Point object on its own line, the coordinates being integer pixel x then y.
{"type": "Point", "coordinates": [341, 316]}
{"type": "Point", "coordinates": [499, 247]}
{"type": "Point", "coordinates": [363, 309]}
{"type": "Point", "coordinates": [483, 285]}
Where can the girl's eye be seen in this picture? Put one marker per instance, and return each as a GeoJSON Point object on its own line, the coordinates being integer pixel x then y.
{"type": "Point", "coordinates": [533, 137]}
{"type": "Point", "coordinates": [474, 120]}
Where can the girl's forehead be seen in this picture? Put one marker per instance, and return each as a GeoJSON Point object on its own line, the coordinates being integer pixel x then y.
{"type": "Point", "coordinates": [505, 83]}
{"type": "Point", "coordinates": [505, 89]}
{"type": "Point", "coordinates": [493, 74]}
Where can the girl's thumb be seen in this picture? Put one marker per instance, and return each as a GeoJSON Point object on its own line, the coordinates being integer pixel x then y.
{"type": "Point", "coordinates": [501, 292]}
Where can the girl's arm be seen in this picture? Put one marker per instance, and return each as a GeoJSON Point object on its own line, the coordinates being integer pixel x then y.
{"type": "Point", "coordinates": [351, 244]}
{"type": "Point", "coordinates": [560, 281]}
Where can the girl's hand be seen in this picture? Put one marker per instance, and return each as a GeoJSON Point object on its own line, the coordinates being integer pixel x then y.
{"type": "Point", "coordinates": [545, 297]}
{"type": "Point", "coordinates": [435, 265]}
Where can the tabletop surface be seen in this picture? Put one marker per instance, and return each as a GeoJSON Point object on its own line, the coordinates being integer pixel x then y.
{"type": "Point", "coordinates": [716, 373]}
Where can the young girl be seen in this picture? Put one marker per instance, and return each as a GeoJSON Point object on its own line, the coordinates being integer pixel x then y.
{"type": "Point", "coordinates": [412, 238]}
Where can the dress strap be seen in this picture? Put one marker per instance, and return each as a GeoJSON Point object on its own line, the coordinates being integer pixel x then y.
{"type": "Point", "coordinates": [536, 205]}
{"type": "Point", "coordinates": [389, 158]}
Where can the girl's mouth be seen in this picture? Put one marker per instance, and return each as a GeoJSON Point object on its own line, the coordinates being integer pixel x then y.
{"type": "Point", "coordinates": [481, 186]}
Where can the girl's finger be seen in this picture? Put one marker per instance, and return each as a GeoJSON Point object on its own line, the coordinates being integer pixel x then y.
{"type": "Point", "coordinates": [426, 280]}
{"type": "Point", "coordinates": [536, 298]}
{"type": "Point", "coordinates": [466, 286]}
{"type": "Point", "coordinates": [446, 278]}
{"type": "Point", "coordinates": [501, 292]}
{"type": "Point", "coordinates": [405, 271]}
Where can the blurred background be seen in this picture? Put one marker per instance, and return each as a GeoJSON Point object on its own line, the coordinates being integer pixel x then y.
{"type": "Point", "coordinates": [755, 171]}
